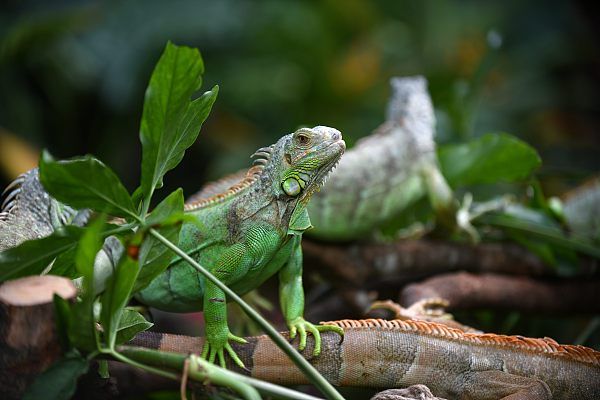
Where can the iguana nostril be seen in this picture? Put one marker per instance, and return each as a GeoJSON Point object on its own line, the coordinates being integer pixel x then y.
{"type": "Point", "coordinates": [335, 136]}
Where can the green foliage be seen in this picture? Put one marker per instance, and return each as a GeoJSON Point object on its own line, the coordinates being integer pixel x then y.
{"type": "Point", "coordinates": [82, 330]}
{"type": "Point", "coordinates": [130, 324]}
{"type": "Point", "coordinates": [85, 182]}
{"type": "Point", "coordinates": [33, 256]}
{"type": "Point", "coordinates": [154, 257]}
{"type": "Point", "coordinates": [64, 264]}
{"type": "Point", "coordinates": [492, 158]}
{"type": "Point", "coordinates": [59, 381]}
{"type": "Point", "coordinates": [540, 233]}
{"type": "Point", "coordinates": [170, 121]}
{"type": "Point", "coordinates": [116, 297]}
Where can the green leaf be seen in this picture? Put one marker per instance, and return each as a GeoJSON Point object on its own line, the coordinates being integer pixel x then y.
{"type": "Point", "coordinates": [59, 381]}
{"type": "Point", "coordinates": [33, 256]}
{"type": "Point", "coordinates": [103, 369]}
{"type": "Point", "coordinates": [82, 332]}
{"type": "Point", "coordinates": [116, 296]}
{"type": "Point", "coordinates": [132, 323]}
{"type": "Point", "coordinates": [87, 249]}
{"type": "Point", "coordinates": [64, 317]}
{"type": "Point", "coordinates": [170, 121]}
{"type": "Point", "coordinates": [538, 226]}
{"type": "Point", "coordinates": [86, 182]}
{"type": "Point", "coordinates": [154, 256]}
{"type": "Point", "coordinates": [489, 159]}
{"type": "Point", "coordinates": [64, 265]}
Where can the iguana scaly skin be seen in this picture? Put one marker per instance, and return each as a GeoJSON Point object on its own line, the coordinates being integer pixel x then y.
{"type": "Point", "coordinates": [247, 234]}
{"type": "Point", "coordinates": [454, 364]}
{"type": "Point", "coordinates": [385, 172]}
{"type": "Point", "coordinates": [28, 212]}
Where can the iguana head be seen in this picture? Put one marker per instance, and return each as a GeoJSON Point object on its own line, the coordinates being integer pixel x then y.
{"type": "Point", "coordinates": [305, 159]}
{"type": "Point", "coordinates": [293, 168]}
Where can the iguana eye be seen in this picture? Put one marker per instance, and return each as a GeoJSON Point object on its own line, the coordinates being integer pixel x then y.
{"type": "Point", "coordinates": [291, 187]}
{"type": "Point", "coordinates": [303, 139]}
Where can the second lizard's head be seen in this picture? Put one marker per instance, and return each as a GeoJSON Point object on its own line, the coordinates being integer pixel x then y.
{"type": "Point", "coordinates": [304, 159]}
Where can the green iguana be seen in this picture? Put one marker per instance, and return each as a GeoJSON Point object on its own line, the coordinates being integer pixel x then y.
{"type": "Point", "coordinates": [395, 354]}
{"type": "Point", "coordinates": [243, 235]}
{"type": "Point", "coordinates": [250, 232]}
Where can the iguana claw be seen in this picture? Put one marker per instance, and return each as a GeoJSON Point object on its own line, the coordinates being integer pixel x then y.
{"type": "Point", "coordinates": [301, 326]}
{"type": "Point", "coordinates": [215, 350]}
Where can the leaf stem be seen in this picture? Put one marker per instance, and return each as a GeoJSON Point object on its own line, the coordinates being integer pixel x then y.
{"type": "Point", "coordinates": [117, 356]}
{"type": "Point", "coordinates": [311, 373]}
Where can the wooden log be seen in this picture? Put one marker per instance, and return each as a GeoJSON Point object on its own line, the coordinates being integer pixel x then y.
{"type": "Point", "coordinates": [466, 291]}
{"type": "Point", "coordinates": [28, 337]}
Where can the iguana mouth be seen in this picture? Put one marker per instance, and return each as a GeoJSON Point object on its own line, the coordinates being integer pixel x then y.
{"type": "Point", "coordinates": [319, 178]}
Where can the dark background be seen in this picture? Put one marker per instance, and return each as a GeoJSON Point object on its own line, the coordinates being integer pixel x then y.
{"type": "Point", "coordinates": [73, 74]}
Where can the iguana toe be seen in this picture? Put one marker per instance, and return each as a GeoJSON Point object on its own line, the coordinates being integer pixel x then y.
{"type": "Point", "coordinates": [216, 351]}
{"type": "Point", "coordinates": [304, 327]}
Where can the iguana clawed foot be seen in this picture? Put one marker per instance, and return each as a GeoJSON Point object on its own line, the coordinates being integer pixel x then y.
{"type": "Point", "coordinates": [464, 217]}
{"type": "Point", "coordinates": [426, 309]}
{"type": "Point", "coordinates": [469, 211]}
{"type": "Point", "coordinates": [302, 327]}
{"type": "Point", "coordinates": [216, 345]}
{"type": "Point", "coordinates": [431, 309]}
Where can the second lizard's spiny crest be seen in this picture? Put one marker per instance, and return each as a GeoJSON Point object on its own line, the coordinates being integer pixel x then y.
{"type": "Point", "coordinates": [520, 343]}
{"type": "Point", "coordinates": [297, 165]}
{"type": "Point", "coordinates": [25, 196]}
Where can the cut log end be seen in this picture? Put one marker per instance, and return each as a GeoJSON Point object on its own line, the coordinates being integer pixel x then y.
{"type": "Point", "coordinates": [36, 290]}
{"type": "Point", "coordinates": [29, 341]}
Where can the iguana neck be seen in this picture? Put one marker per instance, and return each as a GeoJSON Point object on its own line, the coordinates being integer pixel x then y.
{"type": "Point", "coordinates": [256, 192]}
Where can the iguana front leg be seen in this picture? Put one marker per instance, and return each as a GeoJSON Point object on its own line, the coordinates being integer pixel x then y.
{"type": "Point", "coordinates": [291, 297]}
{"type": "Point", "coordinates": [231, 265]}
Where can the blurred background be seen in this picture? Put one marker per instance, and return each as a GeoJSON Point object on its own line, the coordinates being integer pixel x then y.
{"type": "Point", "coordinates": [73, 75]}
